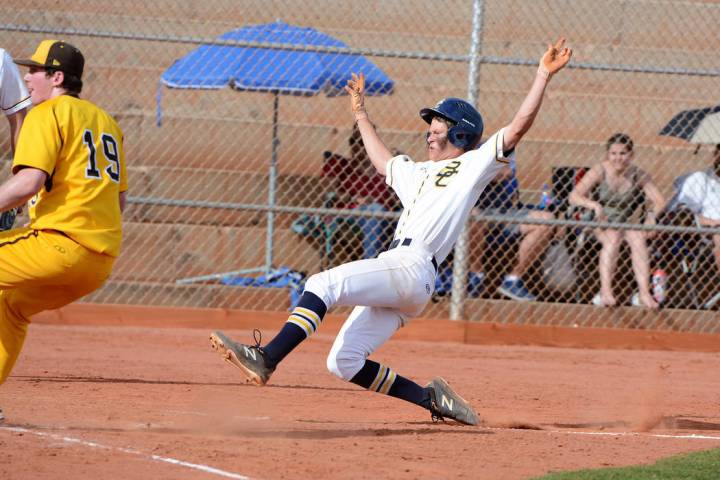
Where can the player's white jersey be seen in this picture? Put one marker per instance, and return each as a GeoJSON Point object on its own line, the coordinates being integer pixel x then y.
{"type": "Point", "coordinates": [13, 93]}
{"type": "Point", "coordinates": [437, 197]}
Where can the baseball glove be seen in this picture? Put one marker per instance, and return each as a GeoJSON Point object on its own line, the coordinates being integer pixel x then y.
{"type": "Point", "coordinates": [7, 218]}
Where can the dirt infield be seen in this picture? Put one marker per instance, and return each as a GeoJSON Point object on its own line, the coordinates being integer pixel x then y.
{"type": "Point", "coordinates": [149, 399]}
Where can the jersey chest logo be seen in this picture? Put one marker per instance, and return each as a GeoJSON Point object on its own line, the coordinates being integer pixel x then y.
{"type": "Point", "coordinates": [442, 178]}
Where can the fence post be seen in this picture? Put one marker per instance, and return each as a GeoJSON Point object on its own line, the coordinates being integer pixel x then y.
{"type": "Point", "coordinates": [460, 261]}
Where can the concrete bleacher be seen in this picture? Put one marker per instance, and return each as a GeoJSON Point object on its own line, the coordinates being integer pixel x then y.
{"type": "Point", "coordinates": [167, 252]}
{"type": "Point", "coordinates": [216, 146]}
{"type": "Point", "coordinates": [130, 70]}
{"type": "Point", "coordinates": [170, 294]}
{"type": "Point", "coordinates": [216, 186]}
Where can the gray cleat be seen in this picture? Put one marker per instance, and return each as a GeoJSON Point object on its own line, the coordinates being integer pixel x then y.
{"type": "Point", "coordinates": [250, 359]}
{"type": "Point", "coordinates": [445, 403]}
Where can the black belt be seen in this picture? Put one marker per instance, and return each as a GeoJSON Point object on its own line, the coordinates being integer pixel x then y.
{"type": "Point", "coordinates": [405, 242]}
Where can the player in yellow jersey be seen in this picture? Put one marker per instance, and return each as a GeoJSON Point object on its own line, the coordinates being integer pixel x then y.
{"type": "Point", "coordinates": [69, 167]}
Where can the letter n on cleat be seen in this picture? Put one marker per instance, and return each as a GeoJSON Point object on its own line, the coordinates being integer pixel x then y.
{"type": "Point", "coordinates": [249, 352]}
{"type": "Point", "coordinates": [447, 402]}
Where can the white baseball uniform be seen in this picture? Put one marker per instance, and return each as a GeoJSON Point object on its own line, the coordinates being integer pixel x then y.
{"type": "Point", "coordinates": [13, 93]}
{"type": "Point", "coordinates": [437, 198]}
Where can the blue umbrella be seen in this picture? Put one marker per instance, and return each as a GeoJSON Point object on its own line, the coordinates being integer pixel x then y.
{"type": "Point", "coordinates": [285, 68]}
{"type": "Point", "coordinates": [285, 63]}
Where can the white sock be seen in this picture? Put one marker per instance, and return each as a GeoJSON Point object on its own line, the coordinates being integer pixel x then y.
{"type": "Point", "coordinates": [511, 278]}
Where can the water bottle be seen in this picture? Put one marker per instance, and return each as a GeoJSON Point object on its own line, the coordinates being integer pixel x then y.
{"type": "Point", "coordinates": [659, 281]}
{"type": "Point", "coordinates": [545, 197]}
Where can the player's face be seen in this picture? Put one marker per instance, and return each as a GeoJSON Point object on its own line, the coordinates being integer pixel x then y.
{"type": "Point", "coordinates": [40, 86]}
{"type": "Point", "coordinates": [619, 156]}
{"type": "Point", "coordinates": [438, 145]}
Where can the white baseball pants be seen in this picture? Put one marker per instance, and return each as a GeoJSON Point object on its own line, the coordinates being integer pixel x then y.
{"type": "Point", "coordinates": [386, 291]}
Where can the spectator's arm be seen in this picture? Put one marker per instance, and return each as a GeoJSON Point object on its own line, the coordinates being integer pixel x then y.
{"type": "Point", "coordinates": [708, 222]}
{"type": "Point", "coordinates": [579, 195]}
{"type": "Point", "coordinates": [653, 194]}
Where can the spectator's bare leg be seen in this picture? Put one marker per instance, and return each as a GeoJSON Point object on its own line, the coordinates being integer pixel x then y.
{"type": "Point", "coordinates": [716, 250]}
{"type": "Point", "coordinates": [535, 239]}
{"type": "Point", "coordinates": [610, 240]}
{"type": "Point", "coordinates": [641, 266]}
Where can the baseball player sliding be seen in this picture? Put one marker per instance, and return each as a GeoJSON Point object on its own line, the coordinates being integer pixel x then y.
{"type": "Point", "coordinates": [437, 196]}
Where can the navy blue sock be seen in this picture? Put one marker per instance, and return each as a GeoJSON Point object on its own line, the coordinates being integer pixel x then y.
{"type": "Point", "coordinates": [410, 391]}
{"type": "Point", "coordinates": [303, 322]}
{"type": "Point", "coordinates": [382, 379]}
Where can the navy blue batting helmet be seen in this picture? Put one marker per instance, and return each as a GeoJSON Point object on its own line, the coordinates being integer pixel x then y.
{"type": "Point", "coordinates": [467, 123]}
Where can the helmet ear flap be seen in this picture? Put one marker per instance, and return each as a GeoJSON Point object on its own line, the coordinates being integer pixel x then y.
{"type": "Point", "coordinates": [461, 139]}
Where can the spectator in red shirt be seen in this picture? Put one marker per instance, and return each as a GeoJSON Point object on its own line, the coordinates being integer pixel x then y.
{"type": "Point", "coordinates": [358, 188]}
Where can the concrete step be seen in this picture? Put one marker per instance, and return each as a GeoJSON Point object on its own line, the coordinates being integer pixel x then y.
{"type": "Point", "coordinates": [218, 186]}
{"type": "Point", "coordinates": [172, 295]}
{"type": "Point", "coordinates": [168, 252]}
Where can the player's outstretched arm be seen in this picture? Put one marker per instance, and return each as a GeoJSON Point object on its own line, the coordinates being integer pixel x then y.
{"type": "Point", "coordinates": [554, 59]}
{"type": "Point", "coordinates": [378, 153]}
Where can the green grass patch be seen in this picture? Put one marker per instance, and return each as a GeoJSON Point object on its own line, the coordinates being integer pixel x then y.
{"type": "Point", "coordinates": [694, 466]}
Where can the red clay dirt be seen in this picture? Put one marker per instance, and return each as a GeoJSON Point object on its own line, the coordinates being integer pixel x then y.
{"type": "Point", "coordinates": [142, 396]}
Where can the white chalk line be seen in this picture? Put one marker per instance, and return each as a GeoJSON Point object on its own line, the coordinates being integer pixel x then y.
{"type": "Point", "coordinates": [690, 436]}
{"type": "Point", "coordinates": [205, 414]}
{"type": "Point", "coordinates": [158, 458]}
{"type": "Point", "coordinates": [236, 476]}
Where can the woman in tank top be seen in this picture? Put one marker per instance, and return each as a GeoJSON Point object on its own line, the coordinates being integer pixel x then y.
{"type": "Point", "coordinates": [613, 190]}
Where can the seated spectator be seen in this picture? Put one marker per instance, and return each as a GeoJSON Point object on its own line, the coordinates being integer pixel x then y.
{"type": "Point", "coordinates": [358, 186]}
{"type": "Point", "coordinates": [336, 237]}
{"type": "Point", "coordinates": [500, 198]}
{"type": "Point", "coordinates": [700, 193]}
{"type": "Point", "coordinates": [613, 190]}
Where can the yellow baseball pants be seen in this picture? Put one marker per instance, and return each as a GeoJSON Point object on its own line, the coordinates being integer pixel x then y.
{"type": "Point", "coordinates": [41, 270]}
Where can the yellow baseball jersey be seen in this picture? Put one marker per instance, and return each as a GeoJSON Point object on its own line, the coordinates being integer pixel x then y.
{"type": "Point", "coordinates": [80, 147]}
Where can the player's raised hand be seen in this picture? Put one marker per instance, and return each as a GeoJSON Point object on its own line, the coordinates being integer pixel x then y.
{"type": "Point", "coordinates": [555, 58]}
{"type": "Point", "coordinates": [356, 89]}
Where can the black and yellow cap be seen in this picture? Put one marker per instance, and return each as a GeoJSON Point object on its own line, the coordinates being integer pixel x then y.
{"type": "Point", "coordinates": [57, 55]}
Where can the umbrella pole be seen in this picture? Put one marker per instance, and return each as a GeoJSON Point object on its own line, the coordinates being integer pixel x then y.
{"type": "Point", "coordinates": [271, 186]}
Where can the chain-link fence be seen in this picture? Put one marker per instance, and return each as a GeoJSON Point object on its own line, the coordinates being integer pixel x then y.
{"type": "Point", "coordinates": [242, 182]}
